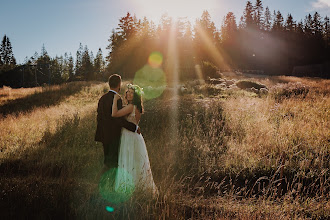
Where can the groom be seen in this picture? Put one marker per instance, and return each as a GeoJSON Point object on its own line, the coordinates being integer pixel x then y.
{"type": "Point", "coordinates": [108, 129]}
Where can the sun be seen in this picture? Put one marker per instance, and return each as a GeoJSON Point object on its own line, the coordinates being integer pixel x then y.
{"type": "Point", "coordinates": [190, 9]}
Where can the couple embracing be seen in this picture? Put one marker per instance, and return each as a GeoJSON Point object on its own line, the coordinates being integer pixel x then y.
{"type": "Point", "coordinates": [123, 145]}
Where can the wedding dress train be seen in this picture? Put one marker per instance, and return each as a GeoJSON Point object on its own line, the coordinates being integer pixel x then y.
{"type": "Point", "coordinates": [134, 172]}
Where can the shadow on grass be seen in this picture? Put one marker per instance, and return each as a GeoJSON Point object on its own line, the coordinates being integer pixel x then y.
{"type": "Point", "coordinates": [51, 180]}
{"type": "Point", "coordinates": [58, 178]}
{"type": "Point", "coordinates": [49, 96]}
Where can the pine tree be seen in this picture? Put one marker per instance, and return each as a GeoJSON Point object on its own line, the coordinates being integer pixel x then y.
{"type": "Point", "coordinates": [113, 45]}
{"type": "Point", "coordinates": [120, 51]}
{"type": "Point", "coordinates": [205, 35]}
{"type": "Point", "coordinates": [65, 74]}
{"type": "Point", "coordinates": [79, 55]}
{"type": "Point", "coordinates": [229, 38]}
{"type": "Point", "coordinates": [43, 59]}
{"type": "Point", "coordinates": [326, 31]}
{"type": "Point", "coordinates": [44, 51]}
{"type": "Point", "coordinates": [258, 19]}
{"type": "Point", "coordinates": [317, 24]}
{"type": "Point", "coordinates": [248, 15]}
{"type": "Point", "coordinates": [99, 64]}
{"type": "Point", "coordinates": [229, 27]}
{"type": "Point", "coordinates": [188, 34]}
{"type": "Point", "coordinates": [56, 67]}
{"type": "Point", "coordinates": [70, 67]}
{"type": "Point", "coordinates": [300, 28]}
{"type": "Point", "coordinates": [34, 58]}
{"type": "Point", "coordinates": [268, 20]}
{"type": "Point", "coordinates": [127, 27]}
{"type": "Point", "coordinates": [147, 28]}
{"type": "Point", "coordinates": [290, 24]}
{"type": "Point", "coordinates": [6, 53]}
{"type": "Point", "coordinates": [205, 25]}
{"type": "Point", "coordinates": [274, 19]}
{"type": "Point", "coordinates": [86, 65]}
{"type": "Point", "coordinates": [187, 60]}
{"type": "Point", "coordinates": [308, 25]}
{"type": "Point", "coordinates": [278, 23]}
{"type": "Point", "coordinates": [43, 66]}
{"type": "Point", "coordinates": [241, 23]}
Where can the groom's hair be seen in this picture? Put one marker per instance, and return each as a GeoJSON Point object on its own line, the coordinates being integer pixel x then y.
{"type": "Point", "coordinates": [114, 80]}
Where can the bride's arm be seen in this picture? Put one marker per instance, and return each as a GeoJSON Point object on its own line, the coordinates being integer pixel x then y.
{"type": "Point", "coordinates": [122, 112]}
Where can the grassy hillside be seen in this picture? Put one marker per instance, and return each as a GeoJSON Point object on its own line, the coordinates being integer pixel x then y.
{"type": "Point", "coordinates": [216, 151]}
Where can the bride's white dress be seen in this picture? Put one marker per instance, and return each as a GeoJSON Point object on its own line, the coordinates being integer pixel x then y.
{"type": "Point", "coordinates": [134, 172]}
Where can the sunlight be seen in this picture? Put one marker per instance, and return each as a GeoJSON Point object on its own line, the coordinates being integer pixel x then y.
{"type": "Point", "coordinates": [172, 69]}
{"type": "Point", "coordinates": [199, 73]}
{"type": "Point", "coordinates": [183, 8]}
{"type": "Point", "coordinates": [218, 57]}
{"type": "Point", "coordinates": [129, 46]}
{"type": "Point", "coordinates": [172, 58]}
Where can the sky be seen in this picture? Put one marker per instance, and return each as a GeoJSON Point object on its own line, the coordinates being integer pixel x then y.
{"type": "Point", "coordinates": [62, 25]}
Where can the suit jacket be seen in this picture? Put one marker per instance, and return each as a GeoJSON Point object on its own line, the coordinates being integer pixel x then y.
{"type": "Point", "coordinates": [109, 128]}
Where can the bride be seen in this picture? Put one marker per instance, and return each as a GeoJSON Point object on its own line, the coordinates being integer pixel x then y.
{"type": "Point", "coordinates": [134, 172]}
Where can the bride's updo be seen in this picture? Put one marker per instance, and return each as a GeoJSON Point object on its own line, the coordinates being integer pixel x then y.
{"type": "Point", "coordinates": [137, 97]}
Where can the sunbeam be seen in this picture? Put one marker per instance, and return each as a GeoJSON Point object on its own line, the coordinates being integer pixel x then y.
{"type": "Point", "coordinates": [218, 57]}
{"type": "Point", "coordinates": [199, 73]}
{"type": "Point", "coordinates": [126, 49]}
{"type": "Point", "coordinates": [172, 67]}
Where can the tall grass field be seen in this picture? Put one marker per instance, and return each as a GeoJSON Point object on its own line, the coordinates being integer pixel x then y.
{"type": "Point", "coordinates": [241, 147]}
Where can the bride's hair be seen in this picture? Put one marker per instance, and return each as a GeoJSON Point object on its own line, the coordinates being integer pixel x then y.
{"type": "Point", "coordinates": [137, 97]}
{"type": "Point", "coordinates": [137, 100]}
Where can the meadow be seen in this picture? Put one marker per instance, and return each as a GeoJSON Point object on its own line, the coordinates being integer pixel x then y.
{"type": "Point", "coordinates": [218, 150]}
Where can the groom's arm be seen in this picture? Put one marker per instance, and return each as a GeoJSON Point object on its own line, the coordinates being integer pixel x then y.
{"type": "Point", "coordinates": [123, 122]}
{"type": "Point", "coordinates": [126, 124]}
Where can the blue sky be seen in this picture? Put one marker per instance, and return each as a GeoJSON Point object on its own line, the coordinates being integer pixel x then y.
{"type": "Point", "coordinates": [62, 24]}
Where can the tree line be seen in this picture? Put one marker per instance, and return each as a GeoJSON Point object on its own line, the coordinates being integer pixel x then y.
{"type": "Point", "coordinates": [261, 41]}
{"type": "Point", "coordinates": [40, 69]}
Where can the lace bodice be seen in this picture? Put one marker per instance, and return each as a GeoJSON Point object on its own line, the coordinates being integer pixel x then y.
{"type": "Point", "coordinates": [131, 117]}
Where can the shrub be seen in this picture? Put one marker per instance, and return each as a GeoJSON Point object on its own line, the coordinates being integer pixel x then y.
{"type": "Point", "coordinates": [289, 90]}
{"type": "Point", "coordinates": [246, 84]}
{"type": "Point", "coordinates": [209, 70]}
{"type": "Point", "coordinates": [209, 90]}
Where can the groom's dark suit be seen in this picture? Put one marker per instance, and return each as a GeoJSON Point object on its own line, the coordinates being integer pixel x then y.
{"type": "Point", "coordinates": [108, 129]}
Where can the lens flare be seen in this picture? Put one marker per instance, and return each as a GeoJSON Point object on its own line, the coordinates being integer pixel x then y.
{"type": "Point", "coordinates": [152, 80]}
{"type": "Point", "coordinates": [155, 59]}
{"type": "Point", "coordinates": [107, 186]}
{"type": "Point", "coordinates": [109, 209]}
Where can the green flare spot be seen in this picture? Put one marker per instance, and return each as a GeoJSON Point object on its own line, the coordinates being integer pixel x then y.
{"type": "Point", "coordinates": [107, 186]}
{"type": "Point", "coordinates": [152, 80]}
{"type": "Point", "coordinates": [109, 209]}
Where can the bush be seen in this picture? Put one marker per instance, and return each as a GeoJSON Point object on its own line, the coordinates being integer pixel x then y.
{"type": "Point", "coordinates": [209, 90]}
{"type": "Point", "coordinates": [209, 70]}
{"type": "Point", "coordinates": [246, 84]}
{"type": "Point", "coordinates": [289, 90]}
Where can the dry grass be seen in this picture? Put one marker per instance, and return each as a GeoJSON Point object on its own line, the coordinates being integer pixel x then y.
{"type": "Point", "coordinates": [24, 130]}
{"type": "Point", "coordinates": [215, 153]}
{"type": "Point", "coordinates": [7, 93]}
